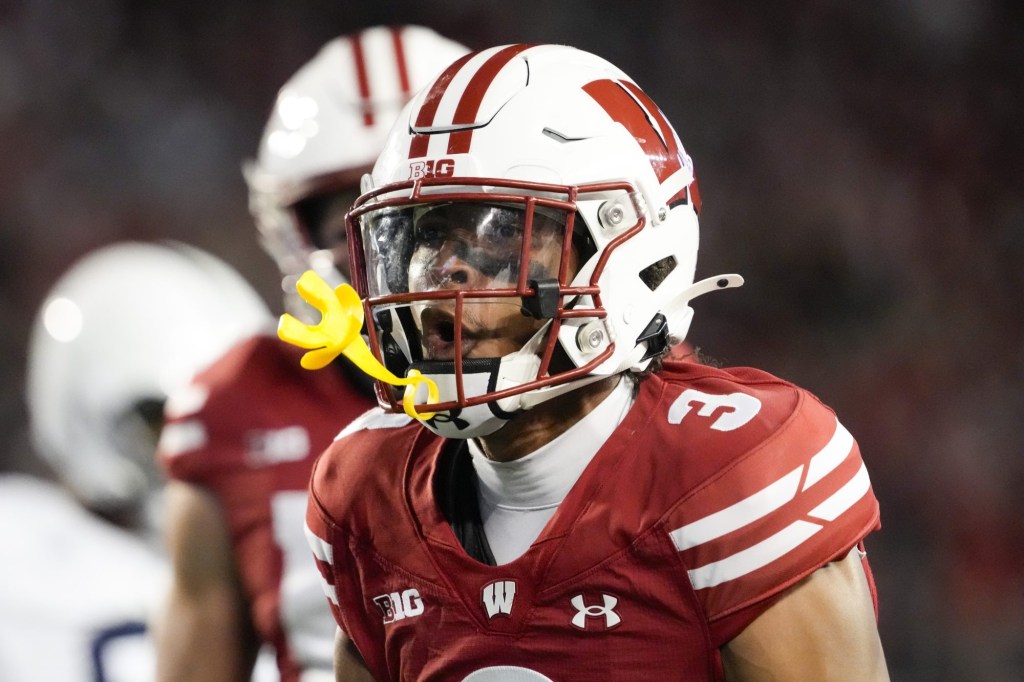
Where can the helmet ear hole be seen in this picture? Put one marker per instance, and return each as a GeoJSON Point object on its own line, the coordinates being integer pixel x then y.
{"type": "Point", "coordinates": [655, 273]}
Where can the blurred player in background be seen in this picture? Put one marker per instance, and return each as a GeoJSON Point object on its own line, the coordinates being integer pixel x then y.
{"type": "Point", "coordinates": [240, 443]}
{"type": "Point", "coordinates": [82, 570]}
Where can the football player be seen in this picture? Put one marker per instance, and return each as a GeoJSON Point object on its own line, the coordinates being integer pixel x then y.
{"type": "Point", "coordinates": [82, 569]}
{"type": "Point", "coordinates": [240, 442]}
{"type": "Point", "coordinates": [552, 497]}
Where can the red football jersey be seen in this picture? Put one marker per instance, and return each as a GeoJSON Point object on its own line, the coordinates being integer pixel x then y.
{"type": "Point", "coordinates": [249, 429]}
{"type": "Point", "coordinates": [719, 490]}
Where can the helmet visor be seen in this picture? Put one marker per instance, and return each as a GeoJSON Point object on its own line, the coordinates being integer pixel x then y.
{"type": "Point", "coordinates": [460, 246]}
{"type": "Point", "coordinates": [462, 269]}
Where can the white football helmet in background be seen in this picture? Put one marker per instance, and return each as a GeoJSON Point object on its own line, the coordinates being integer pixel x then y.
{"type": "Point", "coordinates": [127, 325]}
{"type": "Point", "coordinates": [327, 127]}
{"type": "Point", "coordinates": [581, 205]}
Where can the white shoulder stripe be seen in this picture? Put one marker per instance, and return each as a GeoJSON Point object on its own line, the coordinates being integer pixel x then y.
{"type": "Point", "coordinates": [769, 498]}
{"type": "Point", "coordinates": [321, 548]}
{"type": "Point", "coordinates": [374, 418]}
{"type": "Point", "coordinates": [830, 456]}
{"type": "Point", "coordinates": [776, 546]}
{"type": "Point", "coordinates": [762, 503]}
{"type": "Point", "coordinates": [754, 557]}
{"type": "Point", "coordinates": [742, 513]}
{"type": "Point", "coordinates": [180, 437]}
{"type": "Point", "coordinates": [845, 497]}
{"type": "Point", "coordinates": [186, 401]}
{"type": "Point", "coordinates": [323, 552]}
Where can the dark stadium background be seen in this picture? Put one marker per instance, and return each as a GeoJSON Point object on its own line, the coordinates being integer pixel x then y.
{"type": "Point", "coordinates": [860, 165]}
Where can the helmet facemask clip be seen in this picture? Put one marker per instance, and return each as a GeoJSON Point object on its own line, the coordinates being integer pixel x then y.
{"type": "Point", "coordinates": [543, 305]}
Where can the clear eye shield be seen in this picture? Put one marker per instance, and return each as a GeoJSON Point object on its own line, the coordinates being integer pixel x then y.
{"type": "Point", "coordinates": [460, 245]}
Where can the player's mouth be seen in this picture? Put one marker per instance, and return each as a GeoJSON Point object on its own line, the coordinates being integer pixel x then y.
{"type": "Point", "coordinates": [438, 335]}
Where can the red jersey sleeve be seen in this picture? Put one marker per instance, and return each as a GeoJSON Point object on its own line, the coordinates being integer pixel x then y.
{"type": "Point", "coordinates": [796, 501]}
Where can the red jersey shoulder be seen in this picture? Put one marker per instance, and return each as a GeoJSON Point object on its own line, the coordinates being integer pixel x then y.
{"type": "Point", "coordinates": [780, 489]}
{"type": "Point", "coordinates": [368, 456]}
{"type": "Point", "coordinates": [723, 413]}
{"type": "Point", "coordinates": [256, 407]}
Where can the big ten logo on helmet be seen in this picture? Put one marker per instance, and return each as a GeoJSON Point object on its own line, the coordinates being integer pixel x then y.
{"type": "Point", "coordinates": [399, 605]}
{"type": "Point", "coordinates": [431, 168]}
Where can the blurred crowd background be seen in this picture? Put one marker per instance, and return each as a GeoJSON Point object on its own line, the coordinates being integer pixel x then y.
{"type": "Point", "coordinates": [860, 164]}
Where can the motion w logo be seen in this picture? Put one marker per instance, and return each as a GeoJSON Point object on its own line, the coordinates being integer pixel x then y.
{"type": "Point", "coordinates": [498, 597]}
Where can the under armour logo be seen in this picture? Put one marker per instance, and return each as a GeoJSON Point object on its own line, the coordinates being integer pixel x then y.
{"type": "Point", "coordinates": [583, 611]}
{"type": "Point", "coordinates": [452, 417]}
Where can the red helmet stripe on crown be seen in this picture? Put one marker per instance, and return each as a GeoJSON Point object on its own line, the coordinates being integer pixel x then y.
{"type": "Point", "coordinates": [469, 104]}
{"type": "Point", "coordinates": [361, 78]}
{"type": "Point", "coordinates": [403, 68]}
{"type": "Point", "coordinates": [661, 150]}
{"type": "Point", "coordinates": [431, 102]}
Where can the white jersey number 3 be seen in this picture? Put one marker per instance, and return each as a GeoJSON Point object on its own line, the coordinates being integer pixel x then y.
{"type": "Point", "coordinates": [731, 411]}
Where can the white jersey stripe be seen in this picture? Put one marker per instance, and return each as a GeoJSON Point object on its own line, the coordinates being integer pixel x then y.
{"type": "Point", "coordinates": [323, 552]}
{"type": "Point", "coordinates": [177, 438]}
{"type": "Point", "coordinates": [744, 512]}
{"type": "Point", "coordinates": [845, 497]}
{"type": "Point", "coordinates": [769, 498]}
{"type": "Point", "coordinates": [321, 548]}
{"type": "Point", "coordinates": [754, 557]}
{"type": "Point", "coordinates": [186, 401]}
{"type": "Point", "coordinates": [830, 456]}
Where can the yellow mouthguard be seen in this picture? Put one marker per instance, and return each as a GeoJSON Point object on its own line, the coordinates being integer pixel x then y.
{"type": "Point", "coordinates": [337, 333]}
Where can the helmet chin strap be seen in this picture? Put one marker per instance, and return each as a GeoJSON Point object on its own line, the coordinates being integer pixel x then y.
{"type": "Point", "coordinates": [533, 398]}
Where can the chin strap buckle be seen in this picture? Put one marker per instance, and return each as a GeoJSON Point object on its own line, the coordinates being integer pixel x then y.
{"type": "Point", "coordinates": [656, 336]}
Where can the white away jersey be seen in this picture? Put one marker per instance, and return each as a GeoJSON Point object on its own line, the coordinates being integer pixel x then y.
{"type": "Point", "coordinates": [76, 592]}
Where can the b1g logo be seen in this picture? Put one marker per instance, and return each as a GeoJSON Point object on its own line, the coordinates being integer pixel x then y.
{"type": "Point", "coordinates": [440, 168]}
{"type": "Point", "coordinates": [399, 605]}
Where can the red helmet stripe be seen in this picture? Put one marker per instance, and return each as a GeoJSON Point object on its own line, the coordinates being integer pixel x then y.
{"type": "Point", "coordinates": [403, 69]}
{"type": "Point", "coordinates": [694, 196]}
{"type": "Point", "coordinates": [662, 151]}
{"type": "Point", "coordinates": [667, 134]}
{"type": "Point", "coordinates": [691, 193]}
{"type": "Point", "coordinates": [361, 78]}
{"type": "Point", "coordinates": [473, 97]}
{"type": "Point", "coordinates": [431, 102]}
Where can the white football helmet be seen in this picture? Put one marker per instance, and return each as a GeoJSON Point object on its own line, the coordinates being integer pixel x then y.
{"type": "Point", "coordinates": [327, 127]}
{"type": "Point", "coordinates": [125, 326]}
{"type": "Point", "coordinates": [541, 179]}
